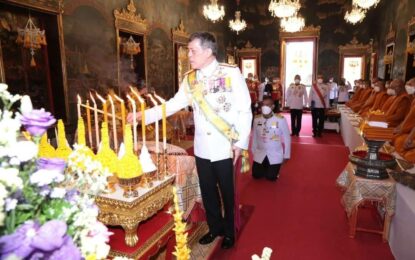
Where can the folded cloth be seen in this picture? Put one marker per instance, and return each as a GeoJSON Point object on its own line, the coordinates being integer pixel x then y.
{"type": "Point", "coordinates": [378, 124]}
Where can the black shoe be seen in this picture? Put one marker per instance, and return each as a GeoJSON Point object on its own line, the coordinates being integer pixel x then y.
{"type": "Point", "coordinates": [227, 242]}
{"type": "Point", "coordinates": [319, 134]}
{"type": "Point", "coordinates": [292, 134]}
{"type": "Point", "coordinates": [314, 135]}
{"type": "Point", "coordinates": [297, 134]}
{"type": "Point", "coordinates": [207, 239]}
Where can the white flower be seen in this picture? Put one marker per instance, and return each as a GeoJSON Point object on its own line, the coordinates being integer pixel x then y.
{"type": "Point", "coordinates": [3, 87]}
{"type": "Point", "coordinates": [9, 128]}
{"type": "Point", "coordinates": [58, 193]}
{"type": "Point", "coordinates": [24, 150]}
{"type": "Point", "coordinates": [2, 217]}
{"type": "Point", "coordinates": [46, 177]}
{"type": "Point", "coordinates": [14, 161]}
{"type": "Point", "coordinates": [26, 105]}
{"type": "Point", "coordinates": [10, 177]}
{"type": "Point", "coordinates": [11, 204]}
{"type": "Point", "coordinates": [3, 193]}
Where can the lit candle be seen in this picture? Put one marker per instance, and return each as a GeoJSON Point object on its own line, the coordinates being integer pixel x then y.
{"type": "Point", "coordinates": [164, 122]}
{"type": "Point", "coordinates": [157, 125]}
{"type": "Point", "coordinates": [143, 115]}
{"type": "Point", "coordinates": [88, 118]}
{"type": "Point", "coordinates": [114, 124]}
{"type": "Point", "coordinates": [79, 106]}
{"type": "Point", "coordinates": [104, 107]}
{"type": "Point", "coordinates": [132, 102]}
{"type": "Point", "coordinates": [95, 120]}
{"type": "Point", "coordinates": [122, 112]}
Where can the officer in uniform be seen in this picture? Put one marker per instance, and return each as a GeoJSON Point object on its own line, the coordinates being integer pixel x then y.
{"type": "Point", "coordinates": [319, 102]}
{"type": "Point", "coordinates": [269, 153]}
{"type": "Point", "coordinates": [222, 115]}
{"type": "Point", "coordinates": [296, 101]}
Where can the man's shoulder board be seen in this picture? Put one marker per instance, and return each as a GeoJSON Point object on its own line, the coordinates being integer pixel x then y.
{"type": "Point", "coordinates": [227, 65]}
{"type": "Point", "coordinates": [279, 115]}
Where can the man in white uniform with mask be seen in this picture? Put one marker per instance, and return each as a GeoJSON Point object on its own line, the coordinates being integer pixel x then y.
{"type": "Point", "coordinates": [270, 131]}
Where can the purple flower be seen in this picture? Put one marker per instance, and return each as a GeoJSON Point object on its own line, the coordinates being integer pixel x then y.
{"type": "Point", "coordinates": [51, 164]}
{"type": "Point", "coordinates": [37, 121]}
{"type": "Point", "coordinates": [31, 237]}
{"type": "Point", "coordinates": [67, 251]}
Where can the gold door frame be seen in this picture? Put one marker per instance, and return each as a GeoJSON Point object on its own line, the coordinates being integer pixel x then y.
{"type": "Point", "coordinates": [127, 20]}
{"type": "Point", "coordinates": [308, 33]}
{"type": "Point", "coordinates": [389, 51]}
{"type": "Point", "coordinates": [354, 49]}
{"type": "Point", "coordinates": [54, 7]}
{"type": "Point", "coordinates": [250, 52]}
{"type": "Point", "coordinates": [180, 37]}
{"type": "Point", "coordinates": [410, 32]}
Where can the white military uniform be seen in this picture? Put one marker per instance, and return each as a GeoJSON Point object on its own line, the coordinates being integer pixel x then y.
{"type": "Point", "coordinates": [268, 137]}
{"type": "Point", "coordinates": [318, 103]}
{"type": "Point", "coordinates": [296, 96]}
{"type": "Point", "coordinates": [232, 103]}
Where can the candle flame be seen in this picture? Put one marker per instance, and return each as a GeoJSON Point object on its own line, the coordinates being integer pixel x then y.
{"type": "Point", "coordinates": [101, 98]}
{"type": "Point", "coordinates": [159, 98]}
{"type": "Point", "coordinates": [137, 95]}
{"type": "Point", "coordinates": [92, 98]}
{"type": "Point", "coordinates": [153, 100]}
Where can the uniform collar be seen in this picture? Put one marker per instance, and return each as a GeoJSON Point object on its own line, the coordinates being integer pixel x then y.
{"type": "Point", "coordinates": [209, 69]}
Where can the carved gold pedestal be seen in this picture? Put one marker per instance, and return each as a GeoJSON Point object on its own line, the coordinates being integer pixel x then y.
{"type": "Point", "coordinates": [115, 210]}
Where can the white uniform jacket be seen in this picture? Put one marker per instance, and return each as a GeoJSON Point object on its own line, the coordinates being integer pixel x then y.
{"type": "Point", "coordinates": [232, 103]}
{"type": "Point", "coordinates": [318, 103]}
{"type": "Point", "coordinates": [296, 96]}
{"type": "Point", "coordinates": [268, 137]}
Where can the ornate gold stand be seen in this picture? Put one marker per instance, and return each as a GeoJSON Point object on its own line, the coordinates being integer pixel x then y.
{"type": "Point", "coordinates": [114, 210]}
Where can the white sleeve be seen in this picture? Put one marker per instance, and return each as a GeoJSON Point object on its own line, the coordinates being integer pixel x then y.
{"type": "Point", "coordinates": [287, 138]}
{"type": "Point", "coordinates": [305, 96]}
{"type": "Point", "coordinates": [242, 105]}
{"type": "Point", "coordinates": [254, 137]}
{"type": "Point", "coordinates": [289, 96]}
{"type": "Point", "coordinates": [176, 103]}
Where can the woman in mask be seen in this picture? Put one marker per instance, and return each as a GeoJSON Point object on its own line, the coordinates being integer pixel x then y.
{"type": "Point", "coordinates": [270, 132]}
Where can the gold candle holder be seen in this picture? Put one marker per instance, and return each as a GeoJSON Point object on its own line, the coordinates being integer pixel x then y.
{"type": "Point", "coordinates": [165, 173]}
{"type": "Point", "coordinates": [158, 174]}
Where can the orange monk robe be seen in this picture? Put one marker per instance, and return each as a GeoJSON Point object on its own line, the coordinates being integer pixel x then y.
{"type": "Point", "coordinates": [385, 106]}
{"type": "Point", "coordinates": [369, 102]}
{"type": "Point", "coordinates": [355, 97]}
{"type": "Point", "coordinates": [362, 99]}
{"type": "Point", "coordinates": [398, 110]}
{"type": "Point", "coordinates": [406, 127]}
{"type": "Point", "coordinates": [410, 154]}
{"type": "Point", "coordinates": [379, 101]}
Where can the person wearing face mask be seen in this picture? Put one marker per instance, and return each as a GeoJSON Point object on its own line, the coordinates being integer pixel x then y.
{"type": "Point", "coordinates": [269, 132]}
{"type": "Point", "coordinates": [357, 91]}
{"type": "Point", "coordinates": [364, 96]}
{"type": "Point", "coordinates": [318, 102]}
{"type": "Point", "coordinates": [397, 111]}
{"type": "Point", "coordinates": [368, 103]}
{"type": "Point", "coordinates": [333, 91]}
{"type": "Point", "coordinates": [261, 89]}
{"type": "Point", "coordinates": [375, 101]}
{"type": "Point", "coordinates": [296, 101]}
{"type": "Point", "coordinates": [343, 92]}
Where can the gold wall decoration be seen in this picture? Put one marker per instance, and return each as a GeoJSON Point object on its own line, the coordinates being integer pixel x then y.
{"type": "Point", "coordinates": [249, 58]}
{"type": "Point", "coordinates": [410, 49]}
{"type": "Point", "coordinates": [180, 38]}
{"type": "Point", "coordinates": [307, 31]}
{"type": "Point", "coordinates": [389, 53]}
{"type": "Point", "coordinates": [354, 49]}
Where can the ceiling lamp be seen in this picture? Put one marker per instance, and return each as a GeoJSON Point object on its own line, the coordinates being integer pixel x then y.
{"type": "Point", "coordinates": [293, 23]}
{"type": "Point", "coordinates": [213, 11]}
{"type": "Point", "coordinates": [366, 4]}
{"type": "Point", "coordinates": [31, 37]}
{"type": "Point", "coordinates": [238, 24]}
{"type": "Point", "coordinates": [356, 15]}
{"type": "Point", "coordinates": [284, 8]}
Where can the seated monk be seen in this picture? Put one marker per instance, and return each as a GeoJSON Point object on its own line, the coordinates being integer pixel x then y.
{"type": "Point", "coordinates": [400, 106]}
{"type": "Point", "coordinates": [404, 132]}
{"type": "Point", "coordinates": [363, 97]}
{"type": "Point", "coordinates": [374, 101]}
{"type": "Point", "coordinates": [357, 92]}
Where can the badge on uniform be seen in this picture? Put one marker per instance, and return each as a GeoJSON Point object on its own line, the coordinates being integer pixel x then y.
{"type": "Point", "coordinates": [274, 124]}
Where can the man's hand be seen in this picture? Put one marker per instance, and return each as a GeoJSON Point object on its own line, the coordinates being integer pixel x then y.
{"type": "Point", "coordinates": [236, 153]}
{"type": "Point", "coordinates": [130, 117]}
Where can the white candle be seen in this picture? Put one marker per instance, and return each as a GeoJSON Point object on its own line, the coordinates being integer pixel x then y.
{"type": "Point", "coordinates": [114, 124]}
{"type": "Point", "coordinates": [95, 120]}
{"type": "Point", "coordinates": [143, 115]}
{"type": "Point", "coordinates": [79, 106]}
{"type": "Point", "coordinates": [134, 121]}
{"type": "Point", "coordinates": [164, 120]}
{"type": "Point", "coordinates": [157, 124]}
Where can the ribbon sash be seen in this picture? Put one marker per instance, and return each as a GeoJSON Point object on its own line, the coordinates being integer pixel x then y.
{"type": "Point", "coordinates": [320, 96]}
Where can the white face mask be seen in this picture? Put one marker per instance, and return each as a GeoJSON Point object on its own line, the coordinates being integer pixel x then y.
{"type": "Point", "coordinates": [391, 92]}
{"type": "Point", "coordinates": [331, 81]}
{"type": "Point", "coordinates": [320, 81]}
{"type": "Point", "coordinates": [297, 81]}
{"type": "Point", "coordinates": [266, 110]}
{"type": "Point", "coordinates": [377, 89]}
{"type": "Point", "coordinates": [410, 89]}
{"type": "Point", "coordinates": [387, 86]}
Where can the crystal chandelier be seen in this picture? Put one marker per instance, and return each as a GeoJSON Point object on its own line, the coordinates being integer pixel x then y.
{"type": "Point", "coordinates": [131, 48]}
{"type": "Point", "coordinates": [366, 4]}
{"type": "Point", "coordinates": [293, 23]}
{"type": "Point", "coordinates": [356, 15]}
{"type": "Point", "coordinates": [32, 38]}
{"type": "Point", "coordinates": [284, 8]}
{"type": "Point", "coordinates": [238, 24]}
{"type": "Point", "coordinates": [213, 11]}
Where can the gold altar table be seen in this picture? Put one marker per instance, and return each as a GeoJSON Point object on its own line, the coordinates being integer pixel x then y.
{"type": "Point", "coordinates": [358, 191]}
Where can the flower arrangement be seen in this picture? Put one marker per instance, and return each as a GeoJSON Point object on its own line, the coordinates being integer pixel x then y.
{"type": "Point", "coordinates": [47, 208]}
{"type": "Point", "coordinates": [182, 251]}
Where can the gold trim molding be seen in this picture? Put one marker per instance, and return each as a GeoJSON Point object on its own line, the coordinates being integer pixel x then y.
{"type": "Point", "coordinates": [249, 48]}
{"type": "Point", "coordinates": [179, 34]}
{"type": "Point", "coordinates": [51, 6]}
{"type": "Point", "coordinates": [411, 25]}
{"type": "Point", "coordinates": [390, 36]}
{"type": "Point", "coordinates": [127, 19]}
{"type": "Point", "coordinates": [308, 31]}
{"type": "Point", "coordinates": [354, 46]}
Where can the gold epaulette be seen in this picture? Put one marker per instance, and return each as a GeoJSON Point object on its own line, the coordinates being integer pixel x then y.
{"type": "Point", "coordinates": [188, 72]}
{"type": "Point", "coordinates": [227, 65]}
{"type": "Point", "coordinates": [258, 116]}
{"type": "Point", "coordinates": [278, 115]}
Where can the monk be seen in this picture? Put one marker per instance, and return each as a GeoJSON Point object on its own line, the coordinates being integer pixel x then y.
{"type": "Point", "coordinates": [363, 97]}
{"type": "Point", "coordinates": [405, 132]}
{"type": "Point", "coordinates": [400, 106]}
{"type": "Point", "coordinates": [357, 92]}
{"type": "Point", "coordinates": [379, 96]}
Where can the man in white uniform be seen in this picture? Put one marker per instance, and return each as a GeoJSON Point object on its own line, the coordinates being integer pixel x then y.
{"type": "Point", "coordinates": [222, 118]}
{"type": "Point", "coordinates": [333, 91]}
{"type": "Point", "coordinates": [318, 102]}
{"type": "Point", "coordinates": [269, 153]}
{"type": "Point", "coordinates": [296, 101]}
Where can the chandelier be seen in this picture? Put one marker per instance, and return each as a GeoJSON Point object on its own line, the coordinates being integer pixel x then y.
{"type": "Point", "coordinates": [131, 48]}
{"type": "Point", "coordinates": [32, 38]}
{"type": "Point", "coordinates": [293, 23]}
{"type": "Point", "coordinates": [238, 24]}
{"type": "Point", "coordinates": [213, 11]}
{"type": "Point", "coordinates": [284, 8]}
{"type": "Point", "coordinates": [366, 4]}
{"type": "Point", "coordinates": [356, 15]}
